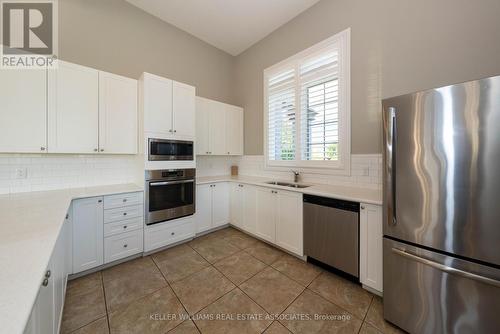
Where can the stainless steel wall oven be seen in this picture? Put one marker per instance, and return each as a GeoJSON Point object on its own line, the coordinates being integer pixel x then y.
{"type": "Point", "coordinates": [170, 194]}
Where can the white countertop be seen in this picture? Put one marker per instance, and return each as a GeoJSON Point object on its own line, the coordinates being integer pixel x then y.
{"type": "Point", "coordinates": [29, 226]}
{"type": "Point", "coordinates": [355, 194]}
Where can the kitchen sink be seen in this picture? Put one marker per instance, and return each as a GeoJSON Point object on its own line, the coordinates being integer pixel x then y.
{"type": "Point", "coordinates": [287, 184]}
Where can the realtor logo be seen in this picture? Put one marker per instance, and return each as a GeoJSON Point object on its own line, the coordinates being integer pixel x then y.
{"type": "Point", "coordinates": [28, 33]}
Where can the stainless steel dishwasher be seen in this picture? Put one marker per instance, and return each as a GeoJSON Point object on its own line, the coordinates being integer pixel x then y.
{"type": "Point", "coordinates": [331, 232]}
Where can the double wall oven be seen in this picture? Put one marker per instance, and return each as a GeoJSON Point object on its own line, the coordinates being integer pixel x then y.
{"type": "Point", "coordinates": [170, 194]}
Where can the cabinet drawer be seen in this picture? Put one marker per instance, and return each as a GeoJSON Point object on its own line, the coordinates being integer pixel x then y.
{"type": "Point", "coordinates": [123, 226]}
{"type": "Point", "coordinates": [120, 200]}
{"type": "Point", "coordinates": [122, 245]}
{"type": "Point", "coordinates": [164, 234]}
{"type": "Point", "coordinates": [127, 212]}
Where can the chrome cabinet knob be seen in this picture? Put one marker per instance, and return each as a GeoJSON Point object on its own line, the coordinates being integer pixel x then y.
{"type": "Point", "coordinates": [45, 282]}
{"type": "Point", "coordinates": [362, 207]}
{"type": "Point", "coordinates": [124, 213]}
{"type": "Point", "coordinates": [175, 131]}
{"type": "Point", "coordinates": [99, 201]}
{"type": "Point", "coordinates": [47, 274]}
{"type": "Point", "coordinates": [125, 226]}
{"type": "Point", "coordinates": [102, 150]}
{"type": "Point", "coordinates": [173, 233]}
{"type": "Point", "coordinates": [95, 149]}
{"type": "Point", "coordinates": [125, 246]}
{"type": "Point", "coordinates": [42, 148]}
{"type": "Point", "coordinates": [124, 200]}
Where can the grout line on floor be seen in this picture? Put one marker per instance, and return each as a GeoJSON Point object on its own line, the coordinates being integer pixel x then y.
{"type": "Point", "coordinates": [105, 302]}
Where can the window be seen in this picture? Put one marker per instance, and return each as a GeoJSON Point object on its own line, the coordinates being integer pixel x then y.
{"type": "Point", "coordinates": [307, 104]}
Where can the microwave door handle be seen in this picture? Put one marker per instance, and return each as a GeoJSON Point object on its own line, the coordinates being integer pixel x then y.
{"type": "Point", "coordinates": [390, 162]}
{"type": "Point", "coordinates": [166, 183]}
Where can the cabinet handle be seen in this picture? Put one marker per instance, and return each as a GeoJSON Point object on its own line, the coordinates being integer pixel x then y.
{"type": "Point", "coordinates": [47, 274]}
{"type": "Point", "coordinates": [175, 131]}
{"type": "Point", "coordinates": [95, 150]}
{"type": "Point", "coordinates": [42, 148]}
{"type": "Point", "coordinates": [67, 216]}
{"type": "Point", "coordinates": [125, 246]}
{"type": "Point", "coordinates": [173, 233]}
{"type": "Point", "coordinates": [124, 200]}
{"type": "Point", "coordinates": [45, 282]}
{"type": "Point", "coordinates": [362, 207]}
{"type": "Point", "coordinates": [102, 150]}
{"type": "Point", "coordinates": [124, 213]}
{"type": "Point", "coordinates": [99, 201]}
{"type": "Point", "coordinates": [125, 226]}
{"type": "Point", "coordinates": [228, 152]}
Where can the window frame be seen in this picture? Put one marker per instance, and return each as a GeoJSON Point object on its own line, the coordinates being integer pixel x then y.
{"type": "Point", "coordinates": [342, 166]}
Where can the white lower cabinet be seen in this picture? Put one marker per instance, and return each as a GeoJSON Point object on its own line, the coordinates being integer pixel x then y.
{"type": "Point", "coordinates": [87, 233]}
{"type": "Point", "coordinates": [266, 214]}
{"type": "Point", "coordinates": [46, 314]}
{"type": "Point", "coordinates": [236, 204]}
{"type": "Point", "coordinates": [212, 206]}
{"type": "Point", "coordinates": [244, 206]}
{"type": "Point", "coordinates": [167, 233]}
{"type": "Point", "coordinates": [122, 245]}
{"type": "Point", "coordinates": [370, 246]}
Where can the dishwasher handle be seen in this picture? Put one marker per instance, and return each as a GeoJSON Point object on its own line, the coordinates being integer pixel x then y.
{"type": "Point", "coordinates": [332, 203]}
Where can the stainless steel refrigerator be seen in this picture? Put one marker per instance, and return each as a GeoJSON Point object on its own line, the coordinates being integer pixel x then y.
{"type": "Point", "coordinates": [442, 209]}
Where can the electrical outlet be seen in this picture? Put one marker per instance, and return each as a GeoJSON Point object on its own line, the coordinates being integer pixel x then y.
{"type": "Point", "coordinates": [366, 171]}
{"type": "Point", "coordinates": [21, 173]}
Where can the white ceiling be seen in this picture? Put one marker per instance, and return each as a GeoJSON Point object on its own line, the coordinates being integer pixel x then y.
{"type": "Point", "coordinates": [230, 25]}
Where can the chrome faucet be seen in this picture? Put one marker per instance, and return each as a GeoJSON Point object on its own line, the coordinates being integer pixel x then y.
{"type": "Point", "coordinates": [295, 176]}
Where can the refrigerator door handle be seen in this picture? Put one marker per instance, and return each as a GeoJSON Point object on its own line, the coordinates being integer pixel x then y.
{"type": "Point", "coordinates": [390, 163]}
{"type": "Point", "coordinates": [446, 268]}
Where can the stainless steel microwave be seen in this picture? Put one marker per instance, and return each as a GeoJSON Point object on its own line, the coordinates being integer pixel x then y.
{"type": "Point", "coordinates": [169, 150]}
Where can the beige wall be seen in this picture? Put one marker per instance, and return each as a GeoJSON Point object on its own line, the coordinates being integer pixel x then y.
{"type": "Point", "coordinates": [114, 36]}
{"type": "Point", "coordinates": [397, 46]}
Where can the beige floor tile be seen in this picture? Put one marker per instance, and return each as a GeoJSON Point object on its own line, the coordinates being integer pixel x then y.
{"type": "Point", "coordinates": [241, 240]}
{"type": "Point", "coordinates": [133, 282]}
{"type": "Point", "coordinates": [155, 313]}
{"type": "Point", "coordinates": [214, 249]}
{"type": "Point", "coordinates": [83, 307]}
{"type": "Point", "coordinates": [85, 283]}
{"type": "Point", "coordinates": [272, 290]}
{"type": "Point", "coordinates": [97, 327]}
{"type": "Point", "coordinates": [298, 270]}
{"type": "Point", "coordinates": [348, 295]}
{"type": "Point", "coordinates": [322, 316]}
{"type": "Point", "coordinates": [126, 269]}
{"type": "Point", "coordinates": [202, 288]}
{"type": "Point", "coordinates": [375, 317]}
{"type": "Point", "coordinates": [179, 262]}
{"type": "Point", "coordinates": [239, 267]}
{"type": "Point", "coordinates": [187, 327]}
{"type": "Point", "coordinates": [226, 232]}
{"type": "Point", "coordinates": [265, 253]}
{"type": "Point", "coordinates": [229, 314]}
{"type": "Point", "coordinates": [369, 329]}
{"type": "Point", "coordinates": [277, 328]}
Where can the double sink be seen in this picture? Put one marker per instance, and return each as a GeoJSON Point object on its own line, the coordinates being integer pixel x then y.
{"type": "Point", "coordinates": [287, 184]}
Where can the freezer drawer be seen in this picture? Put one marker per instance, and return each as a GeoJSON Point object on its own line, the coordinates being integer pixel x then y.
{"type": "Point", "coordinates": [331, 232]}
{"type": "Point", "coordinates": [427, 292]}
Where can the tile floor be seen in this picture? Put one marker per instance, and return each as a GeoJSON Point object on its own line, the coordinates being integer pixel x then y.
{"type": "Point", "coordinates": [223, 282]}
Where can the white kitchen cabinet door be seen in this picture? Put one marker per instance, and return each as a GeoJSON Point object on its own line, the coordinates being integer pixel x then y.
{"type": "Point", "coordinates": [88, 219]}
{"type": "Point", "coordinates": [68, 222]}
{"type": "Point", "coordinates": [220, 204]}
{"type": "Point", "coordinates": [217, 129]}
{"type": "Point", "coordinates": [202, 126]}
{"type": "Point", "coordinates": [44, 312]}
{"type": "Point", "coordinates": [249, 203]}
{"type": "Point", "coordinates": [117, 114]}
{"type": "Point", "coordinates": [23, 116]}
{"type": "Point", "coordinates": [266, 214]}
{"type": "Point", "coordinates": [183, 105]}
{"type": "Point", "coordinates": [234, 130]}
{"type": "Point", "coordinates": [370, 221]}
{"type": "Point", "coordinates": [236, 205]}
{"type": "Point", "coordinates": [73, 112]}
{"type": "Point", "coordinates": [203, 207]}
{"type": "Point", "coordinates": [289, 221]}
{"type": "Point", "coordinates": [157, 95]}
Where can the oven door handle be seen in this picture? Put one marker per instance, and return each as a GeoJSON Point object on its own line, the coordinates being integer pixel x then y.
{"type": "Point", "coordinates": [166, 183]}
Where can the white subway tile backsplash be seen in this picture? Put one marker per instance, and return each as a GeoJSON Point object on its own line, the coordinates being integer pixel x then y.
{"type": "Point", "coordinates": [49, 172]}
{"type": "Point", "coordinates": [253, 165]}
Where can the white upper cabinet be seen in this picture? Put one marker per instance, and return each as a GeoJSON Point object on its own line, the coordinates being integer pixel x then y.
{"type": "Point", "coordinates": [202, 126]}
{"type": "Point", "coordinates": [23, 111]}
{"type": "Point", "coordinates": [73, 113]}
{"type": "Point", "coordinates": [157, 94]}
{"type": "Point", "coordinates": [234, 130]}
{"type": "Point", "coordinates": [168, 107]}
{"type": "Point", "coordinates": [117, 114]}
{"type": "Point", "coordinates": [219, 128]}
{"type": "Point", "coordinates": [183, 115]}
